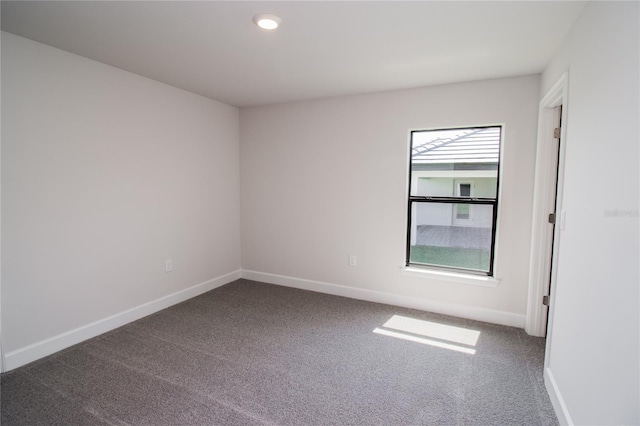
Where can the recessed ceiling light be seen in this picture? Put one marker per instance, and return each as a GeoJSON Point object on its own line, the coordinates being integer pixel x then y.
{"type": "Point", "coordinates": [267, 21]}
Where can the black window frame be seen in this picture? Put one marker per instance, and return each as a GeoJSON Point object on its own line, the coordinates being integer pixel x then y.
{"type": "Point", "coordinates": [494, 202]}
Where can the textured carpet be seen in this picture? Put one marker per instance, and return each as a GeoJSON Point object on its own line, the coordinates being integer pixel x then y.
{"type": "Point", "coordinates": [251, 353]}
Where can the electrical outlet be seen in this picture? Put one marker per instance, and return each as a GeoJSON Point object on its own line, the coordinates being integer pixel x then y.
{"type": "Point", "coordinates": [168, 265]}
{"type": "Point", "coordinates": [352, 261]}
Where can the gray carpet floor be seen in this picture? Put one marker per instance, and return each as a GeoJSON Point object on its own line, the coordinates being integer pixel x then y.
{"type": "Point", "coordinates": [251, 353]}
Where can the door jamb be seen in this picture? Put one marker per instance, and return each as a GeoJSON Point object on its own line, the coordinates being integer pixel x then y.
{"type": "Point", "coordinates": [542, 266]}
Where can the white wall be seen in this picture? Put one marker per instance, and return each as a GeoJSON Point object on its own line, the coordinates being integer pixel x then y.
{"type": "Point", "coordinates": [321, 180]}
{"type": "Point", "coordinates": [105, 174]}
{"type": "Point", "coordinates": [433, 214]}
{"type": "Point", "coordinates": [593, 355]}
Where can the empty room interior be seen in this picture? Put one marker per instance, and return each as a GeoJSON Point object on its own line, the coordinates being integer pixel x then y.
{"type": "Point", "coordinates": [416, 212]}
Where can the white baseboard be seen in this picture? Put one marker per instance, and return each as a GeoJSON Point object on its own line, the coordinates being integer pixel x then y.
{"type": "Point", "coordinates": [474, 313]}
{"type": "Point", "coordinates": [560, 408]}
{"type": "Point", "coordinates": [27, 354]}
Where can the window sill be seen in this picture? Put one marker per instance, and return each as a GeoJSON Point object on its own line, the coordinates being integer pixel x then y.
{"type": "Point", "coordinates": [456, 277]}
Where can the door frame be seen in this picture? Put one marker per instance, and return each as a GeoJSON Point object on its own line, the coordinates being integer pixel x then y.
{"type": "Point", "coordinates": [545, 245]}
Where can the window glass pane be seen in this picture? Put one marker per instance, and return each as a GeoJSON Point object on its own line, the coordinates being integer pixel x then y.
{"type": "Point", "coordinates": [440, 236]}
{"type": "Point", "coordinates": [440, 158]}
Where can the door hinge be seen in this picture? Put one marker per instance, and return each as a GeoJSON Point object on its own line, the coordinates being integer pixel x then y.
{"type": "Point", "coordinates": [552, 218]}
{"type": "Point", "coordinates": [556, 133]}
{"type": "Point", "coordinates": [545, 300]}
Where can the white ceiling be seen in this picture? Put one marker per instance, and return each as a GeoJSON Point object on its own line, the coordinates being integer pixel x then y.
{"type": "Point", "coordinates": [323, 49]}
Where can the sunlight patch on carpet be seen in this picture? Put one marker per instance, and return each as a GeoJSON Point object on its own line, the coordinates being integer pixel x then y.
{"type": "Point", "coordinates": [430, 333]}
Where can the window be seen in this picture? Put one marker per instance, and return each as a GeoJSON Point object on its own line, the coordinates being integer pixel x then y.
{"type": "Point", "coordinates": [453, 198]}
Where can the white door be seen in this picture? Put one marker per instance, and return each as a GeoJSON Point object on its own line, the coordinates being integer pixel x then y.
{"type": "Point", "coordinates": [462, 212]}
